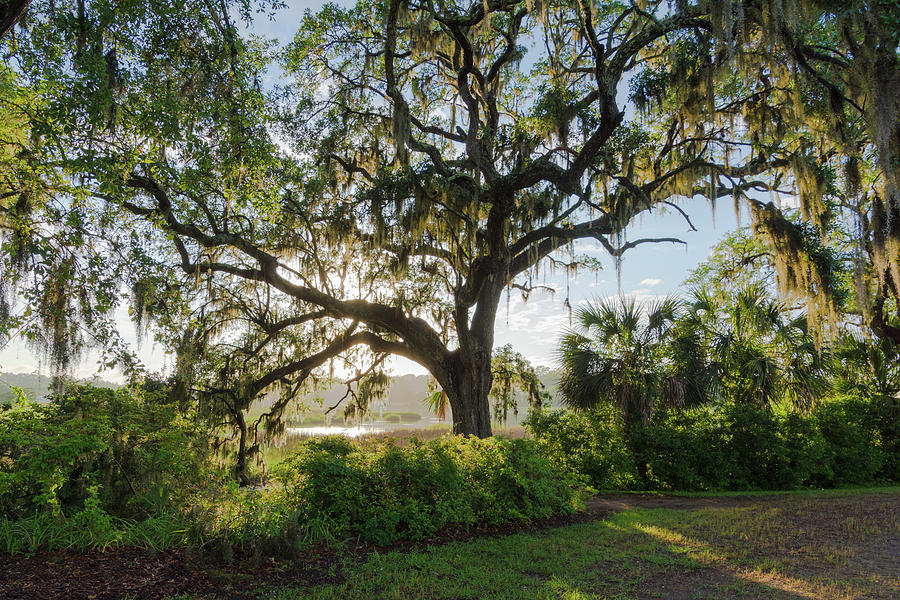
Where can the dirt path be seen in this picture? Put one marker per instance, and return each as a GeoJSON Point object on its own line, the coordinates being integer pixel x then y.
{"type": "Point", "coordinates": [609, 503]}
{"type": "Point", "coordinates": [141, 575]}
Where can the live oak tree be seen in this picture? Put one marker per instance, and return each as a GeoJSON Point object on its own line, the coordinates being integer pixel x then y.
{"type": "Point", "coordinates": [99, 101]}
{"type": "Point", "coordinates": [477, 142]}
{"type": "Point", "coordinates": [427, 158]}
{"type": "Point", "coordinates": [240, 348]}
{"type": "Point", "coordinates": [831, 69]}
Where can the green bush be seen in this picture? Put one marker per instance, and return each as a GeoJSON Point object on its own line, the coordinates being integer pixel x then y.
{"type": "Point", "coordinates": [130, 451]}
{"type": "Point", "coordinates": [841, 441]}
{"type": "Point", "coordinates": [590, 445]}
{"type": "Point", "coordinates": [402, 417]}
{"type": "Point", "coordinates": [806, 451]}
{"type": "Point", "coordinates": [683, 451]}
{"type": "Point", "coordinates": [886, 410]}
{"type": "Point", "coordinates": [388, 493]}
{"type": "Point", "coordinates": [850, 428]}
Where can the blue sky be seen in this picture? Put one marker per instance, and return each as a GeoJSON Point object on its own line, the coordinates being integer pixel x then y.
{"type": "Point", "coordinates": [532, 327]}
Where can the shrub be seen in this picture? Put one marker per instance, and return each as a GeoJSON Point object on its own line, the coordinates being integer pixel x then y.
{"type": "Point", "coordinates": [806, 451]}
{"type": "Point", "coordinates": [135, 453]}
{"type": "Point", "coordinates": [850, 428]}
{"type": "Point", "coordinates": [683, 450]}
{"type": "Point", "coordinates": [590, 445]}
{"type": "Point", "coordinates": [402, 417]}
{"type": "Point", "coordinates": [732, 447]}
{"type": "Point", "coordinates": [389, 493]}
{"type": "Point", "coordinates": [886, 411]}
{"type": "Point", "coordinates": [753, 453]}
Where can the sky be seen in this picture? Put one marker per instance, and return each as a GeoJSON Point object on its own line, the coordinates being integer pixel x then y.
{"type": "Point", "coordinates": [533, 327]}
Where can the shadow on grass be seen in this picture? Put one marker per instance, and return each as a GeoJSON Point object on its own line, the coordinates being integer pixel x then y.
{"type": "Point", "coordinates": [818, 547]}
{"type": "Point", "coordinates": [637, 554]}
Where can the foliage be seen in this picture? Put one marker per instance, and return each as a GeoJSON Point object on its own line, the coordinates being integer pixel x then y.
{"type": "Point", "coordinates": [327, 490]}
{"type": "Point", "coordinates": [393, 493]}
{"type": "Point", "coordinates": [868, 368]}
{"type": "Point", "coordinates": [513, 373]}
{"type": "Point", "coordinates": [856, 449]}
{"type": "Point", "coordinates": [590, 444]}
{"type": "Point", "coordinates": [123, 451]}
{"type": "Point", "coordinates": [842, 441]}
{"type": "Point", "coordinates": [402, 417]}
{"type": "Point", "coordinates": [623, 354]}
{"type": "Point", "coordinates": [741, 447]}
{"type": "Point", "coordinates": [737, 261]}
{"type": "Point", "coordinates": [92, 528]}
{"type": "Point", "coordinates": [759, 351]}
{"type": "Point", "coordinates": [421, 161]}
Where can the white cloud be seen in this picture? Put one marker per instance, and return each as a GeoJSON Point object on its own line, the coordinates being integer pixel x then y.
{"type": "Point", "coordinates": [787, 201]}
{"type": "Point", "coordinates": [533, 327]}
{"type": "Point", "coordinates": [652, 282]}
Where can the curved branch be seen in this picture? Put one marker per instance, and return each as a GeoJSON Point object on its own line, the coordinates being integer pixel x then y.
{"type": "Point", "coordinates": [616, 252]}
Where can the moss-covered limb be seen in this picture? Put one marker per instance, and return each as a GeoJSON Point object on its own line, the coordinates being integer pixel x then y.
{"type": "Point", "coordinates": [449, 160]}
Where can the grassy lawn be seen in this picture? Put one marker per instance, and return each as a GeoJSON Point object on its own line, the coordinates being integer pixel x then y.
{"type": "Point", "coordinates": [818, 545]}
{"type": "Point", "coordinates": [832, 545]}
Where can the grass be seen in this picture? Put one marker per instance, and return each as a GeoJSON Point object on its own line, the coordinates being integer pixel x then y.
{"type": "Point", "coordinates": [837, 545]}
{"type": "Point", "coordinates": [44, 530]}
{"type": "Point", "coordinates": [841, 491]}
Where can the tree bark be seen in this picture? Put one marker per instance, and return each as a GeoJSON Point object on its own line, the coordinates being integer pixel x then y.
{"type": "Point", "coordinates": [10, 13]}
{"type": "Point", "coordinates": [240, 469]}
{"type": "Point", "coordinates": [880, 327]}
{"type": "Point", "coordinates": [467, 377]}
{"type": "Point", "coordinates": [467, 387]}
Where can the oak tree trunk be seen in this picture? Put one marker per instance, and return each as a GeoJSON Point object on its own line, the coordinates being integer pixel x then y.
{"type": "Point", "coordinates": [240, 469]}
{"type": "Point", "coordinates": [467, 390]}
{"type": "Point", "coordinates": [10, 13]}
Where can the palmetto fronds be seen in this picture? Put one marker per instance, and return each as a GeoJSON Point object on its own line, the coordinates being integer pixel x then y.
{"type": "Point", "coordinates": [744, 348]}
{"type": "Point", "coordinates": [629, 354]}
{"type": "Point", "coordinates": [760, 351]}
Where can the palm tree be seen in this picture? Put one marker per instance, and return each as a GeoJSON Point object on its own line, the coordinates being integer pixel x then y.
{"type": "Point", "coordinates": [635, 356]}
{"type": "Point", "coordinates": [869, 368]}
{"type": "Point", "coordinates": [761, 352]}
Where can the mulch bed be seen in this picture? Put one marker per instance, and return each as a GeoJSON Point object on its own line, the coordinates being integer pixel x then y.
{"type": "Point", "coordinates": [133, 573]}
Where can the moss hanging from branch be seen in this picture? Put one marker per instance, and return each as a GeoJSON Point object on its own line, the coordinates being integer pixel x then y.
{"type": "Point", "coordinates": [802, 272]}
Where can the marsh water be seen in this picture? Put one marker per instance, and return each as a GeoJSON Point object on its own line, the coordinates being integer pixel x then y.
{"type": "Point", "coordinates": [368, 426]}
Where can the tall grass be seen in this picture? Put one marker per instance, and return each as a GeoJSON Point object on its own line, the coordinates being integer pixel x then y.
{"type": "Point", "coordinates": [46, 531]}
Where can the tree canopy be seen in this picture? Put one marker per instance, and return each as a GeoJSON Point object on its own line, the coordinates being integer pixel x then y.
{"type": "Point", "coordinates": [424, 159]}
